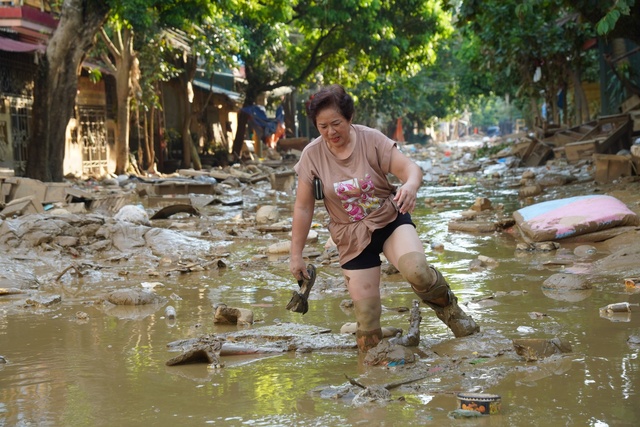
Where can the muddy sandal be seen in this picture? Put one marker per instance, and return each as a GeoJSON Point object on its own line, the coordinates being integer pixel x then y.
{"type": "Point", "coordinates": [299, 301]}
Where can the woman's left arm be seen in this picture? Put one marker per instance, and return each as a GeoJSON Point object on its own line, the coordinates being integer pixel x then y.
{"type": "Point", "coordinates": [411, 176]}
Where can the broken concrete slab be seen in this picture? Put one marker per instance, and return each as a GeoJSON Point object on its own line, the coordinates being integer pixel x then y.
{"type": "Point", "coordinates": [75, 195]}
{"type": "Point", "coordinates": [56, 192]}
{"type": "Point", "coordinates": [28, 187]}
{"type": "Point", "coordinates": [22, 206]}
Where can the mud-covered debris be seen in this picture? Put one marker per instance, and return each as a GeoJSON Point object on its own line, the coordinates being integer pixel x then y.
{"type": "Point", "coordinates": [170, 312]}
{"type": "Point", "coordinates": [168, 211]}
{"type": "Point", "coordinates": [532, 349]}
{"type": "Point", "coordinates": [267, 214]}
{"type": "Point", "coordinates": [566, 282]}
{"type": "Point", "coordinates": [412, 338]}
{"type": "Point", "coordinates": [43, 301]}
{"type": "Point", "coordinates": [483, 262]}
{"type": "Point", "coordinates": [81, 315]}
{"type": "Point", "coordinates": [152, 285]}
{"type": "Point", "coordinates": [283, 247]}
{"type": "Point", "coordinates": [535, 315]}
{"type": "Point", "coordinates": [529, 191]}
{"type": "Point", "coordinates": [372, 394]}
{"type": "Point", "coordinates": [537, 246]}
{"type": "Point", "coordinates": [329, 256]}
{"type": "Point", "coordinates": [481, 204]}
{"type": "Point", "coordinates": [618, 307]}
{"type": "Point", "coordinates": [232, 315]}
{"type": "Point", "coordinates": [634, 340]}
{"type": "Point", "coordinates": [388, 354]}
{"type": "Point", "coordinates": [585, 251]}
{"type": "Point", "coordinates": [133, 214]}
{"type": "Point", "coordinates": [204, 352]}
{"type": "Point", "coordinates": [631, 283]}
{"type": "Point", "coordinates": [463, 413]}
{"type": "Point", "coordinates": [133, 297]}
{"type": "Point", "coordinates": [11, 291]}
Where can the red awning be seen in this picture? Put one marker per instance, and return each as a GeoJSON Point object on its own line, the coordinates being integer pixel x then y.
{"type": "Point", "coordinates": [16, 46]}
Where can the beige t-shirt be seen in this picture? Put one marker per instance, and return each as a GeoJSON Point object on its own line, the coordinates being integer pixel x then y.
{"type": "Point", "coordinates": [357, 194]}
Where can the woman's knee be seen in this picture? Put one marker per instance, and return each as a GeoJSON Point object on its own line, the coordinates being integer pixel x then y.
{"type": "Point", "coordinates": [415, 269]}
{"type": "Point", "coordinates": [363, 284]}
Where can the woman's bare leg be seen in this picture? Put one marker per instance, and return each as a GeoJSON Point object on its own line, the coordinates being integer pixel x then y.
{"type": "Point", "coordinates": [404, 250]}
{"type": "Point", "coordinates": [364, 289]}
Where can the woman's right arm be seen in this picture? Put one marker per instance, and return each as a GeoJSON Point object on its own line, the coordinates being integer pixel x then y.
{"type": "Point", "coordinates": [302, 217]}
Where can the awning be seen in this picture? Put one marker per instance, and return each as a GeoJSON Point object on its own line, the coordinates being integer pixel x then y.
{"type": "Point", "coordinates": [234, 96]}
{"type": "Point", "coordinates": [10, 45]}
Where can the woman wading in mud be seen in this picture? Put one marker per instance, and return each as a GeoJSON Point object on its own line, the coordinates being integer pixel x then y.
{"type": "Point", "coordinates": [369, 216]}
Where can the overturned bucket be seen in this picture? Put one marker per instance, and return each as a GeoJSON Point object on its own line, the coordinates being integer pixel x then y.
{"type": "Point", "coordinates": [488, 404]}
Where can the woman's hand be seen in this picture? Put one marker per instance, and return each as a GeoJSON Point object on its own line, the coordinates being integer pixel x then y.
{"type": "Point", "coordinates": [411, 175]}
{"type": "Point", "coordinates": [298, 268]}
{"type": "Point", "coordinates": [405, 198]}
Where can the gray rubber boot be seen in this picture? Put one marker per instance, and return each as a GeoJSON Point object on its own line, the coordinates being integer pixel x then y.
{"type": "Point", "coordinates": [460, 323]}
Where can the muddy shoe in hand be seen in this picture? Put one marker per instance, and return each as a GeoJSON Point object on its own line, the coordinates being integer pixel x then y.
{"type": "Point", "coordinates": [299, 302]}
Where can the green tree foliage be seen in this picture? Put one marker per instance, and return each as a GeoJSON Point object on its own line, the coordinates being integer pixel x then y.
{"type": "Point", "coordinates": [347, 41]}
{"type": "Point", "coordinates": [430, 94]}
{"type": "Point", "coordinates": [525, 48]}
{"type": "Point", "coordinates": [612, 18]}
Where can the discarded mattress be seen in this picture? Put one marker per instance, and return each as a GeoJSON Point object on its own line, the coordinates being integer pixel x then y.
{"type": "Point", "coordinates": [574, 216]}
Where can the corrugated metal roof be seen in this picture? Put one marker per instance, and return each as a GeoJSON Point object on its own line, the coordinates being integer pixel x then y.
{"type": "Point", "coordinates": [202, 84]}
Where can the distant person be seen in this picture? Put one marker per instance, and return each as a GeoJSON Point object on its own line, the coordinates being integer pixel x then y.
{"type": "Point", "coordinates": [368, 215]}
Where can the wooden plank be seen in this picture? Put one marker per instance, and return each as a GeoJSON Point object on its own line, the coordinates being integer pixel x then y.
{"type": "Point", "coordinates": [633, 103]}
{"type": "Point", "coordinates": [580, 150]}
{"type": "Point", "coordinates": [610, 167]}
{"type": "Point", "coordinates": [540, 154]}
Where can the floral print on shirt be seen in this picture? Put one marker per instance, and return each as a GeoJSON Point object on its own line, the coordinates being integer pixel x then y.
{"type": "Point", "coordinates": [357, 197]}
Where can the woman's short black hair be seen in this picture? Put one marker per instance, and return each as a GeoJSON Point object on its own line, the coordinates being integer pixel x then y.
{"type": "Point", "coordinates": [333, 96]}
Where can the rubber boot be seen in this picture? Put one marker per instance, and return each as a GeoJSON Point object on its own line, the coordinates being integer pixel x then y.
{"type": "Point", "coordinates": [460, 323]}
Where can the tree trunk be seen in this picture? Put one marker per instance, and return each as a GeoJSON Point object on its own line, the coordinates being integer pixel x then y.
{"type": "Point", "coordinates": [290, 121]}
{"type": "Point", "coordinates": [189, 74]}
{"type": "Point", "coordinates": [243, 120]}
{"type": "Point", "coordinates": [152, 140]}
{"type": "Point", "coordinates": [124, 64]}
{"type": "Point", "coordinates": [580, 99]}
{"type": "Point", "coordinates": [56, 85]}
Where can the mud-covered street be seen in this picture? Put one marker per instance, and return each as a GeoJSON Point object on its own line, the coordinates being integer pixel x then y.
{"type": "Point", "coordinates": [97, 299]}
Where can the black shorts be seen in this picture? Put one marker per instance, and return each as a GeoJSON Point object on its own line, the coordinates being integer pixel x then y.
{"type": "Point", "coordinates": [370, 256]}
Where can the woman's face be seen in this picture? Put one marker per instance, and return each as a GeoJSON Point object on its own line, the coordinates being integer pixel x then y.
{"type": "Point", "coordinates": [333, 127]}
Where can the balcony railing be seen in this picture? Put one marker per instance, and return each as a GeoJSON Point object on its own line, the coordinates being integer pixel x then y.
{"type": "Point", "coordinates": [38, 4]}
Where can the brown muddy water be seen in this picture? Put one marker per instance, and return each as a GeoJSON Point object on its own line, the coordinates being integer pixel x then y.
{"type": "Point", "coordinates": [109, 370]}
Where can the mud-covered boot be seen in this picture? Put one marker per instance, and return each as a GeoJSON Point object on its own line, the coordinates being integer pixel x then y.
{"type": "Point", "coordinates": [460, 323]}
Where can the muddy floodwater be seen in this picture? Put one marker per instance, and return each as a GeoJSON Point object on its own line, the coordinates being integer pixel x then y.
{"type": "Point", "coordinates": [108, 369]}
